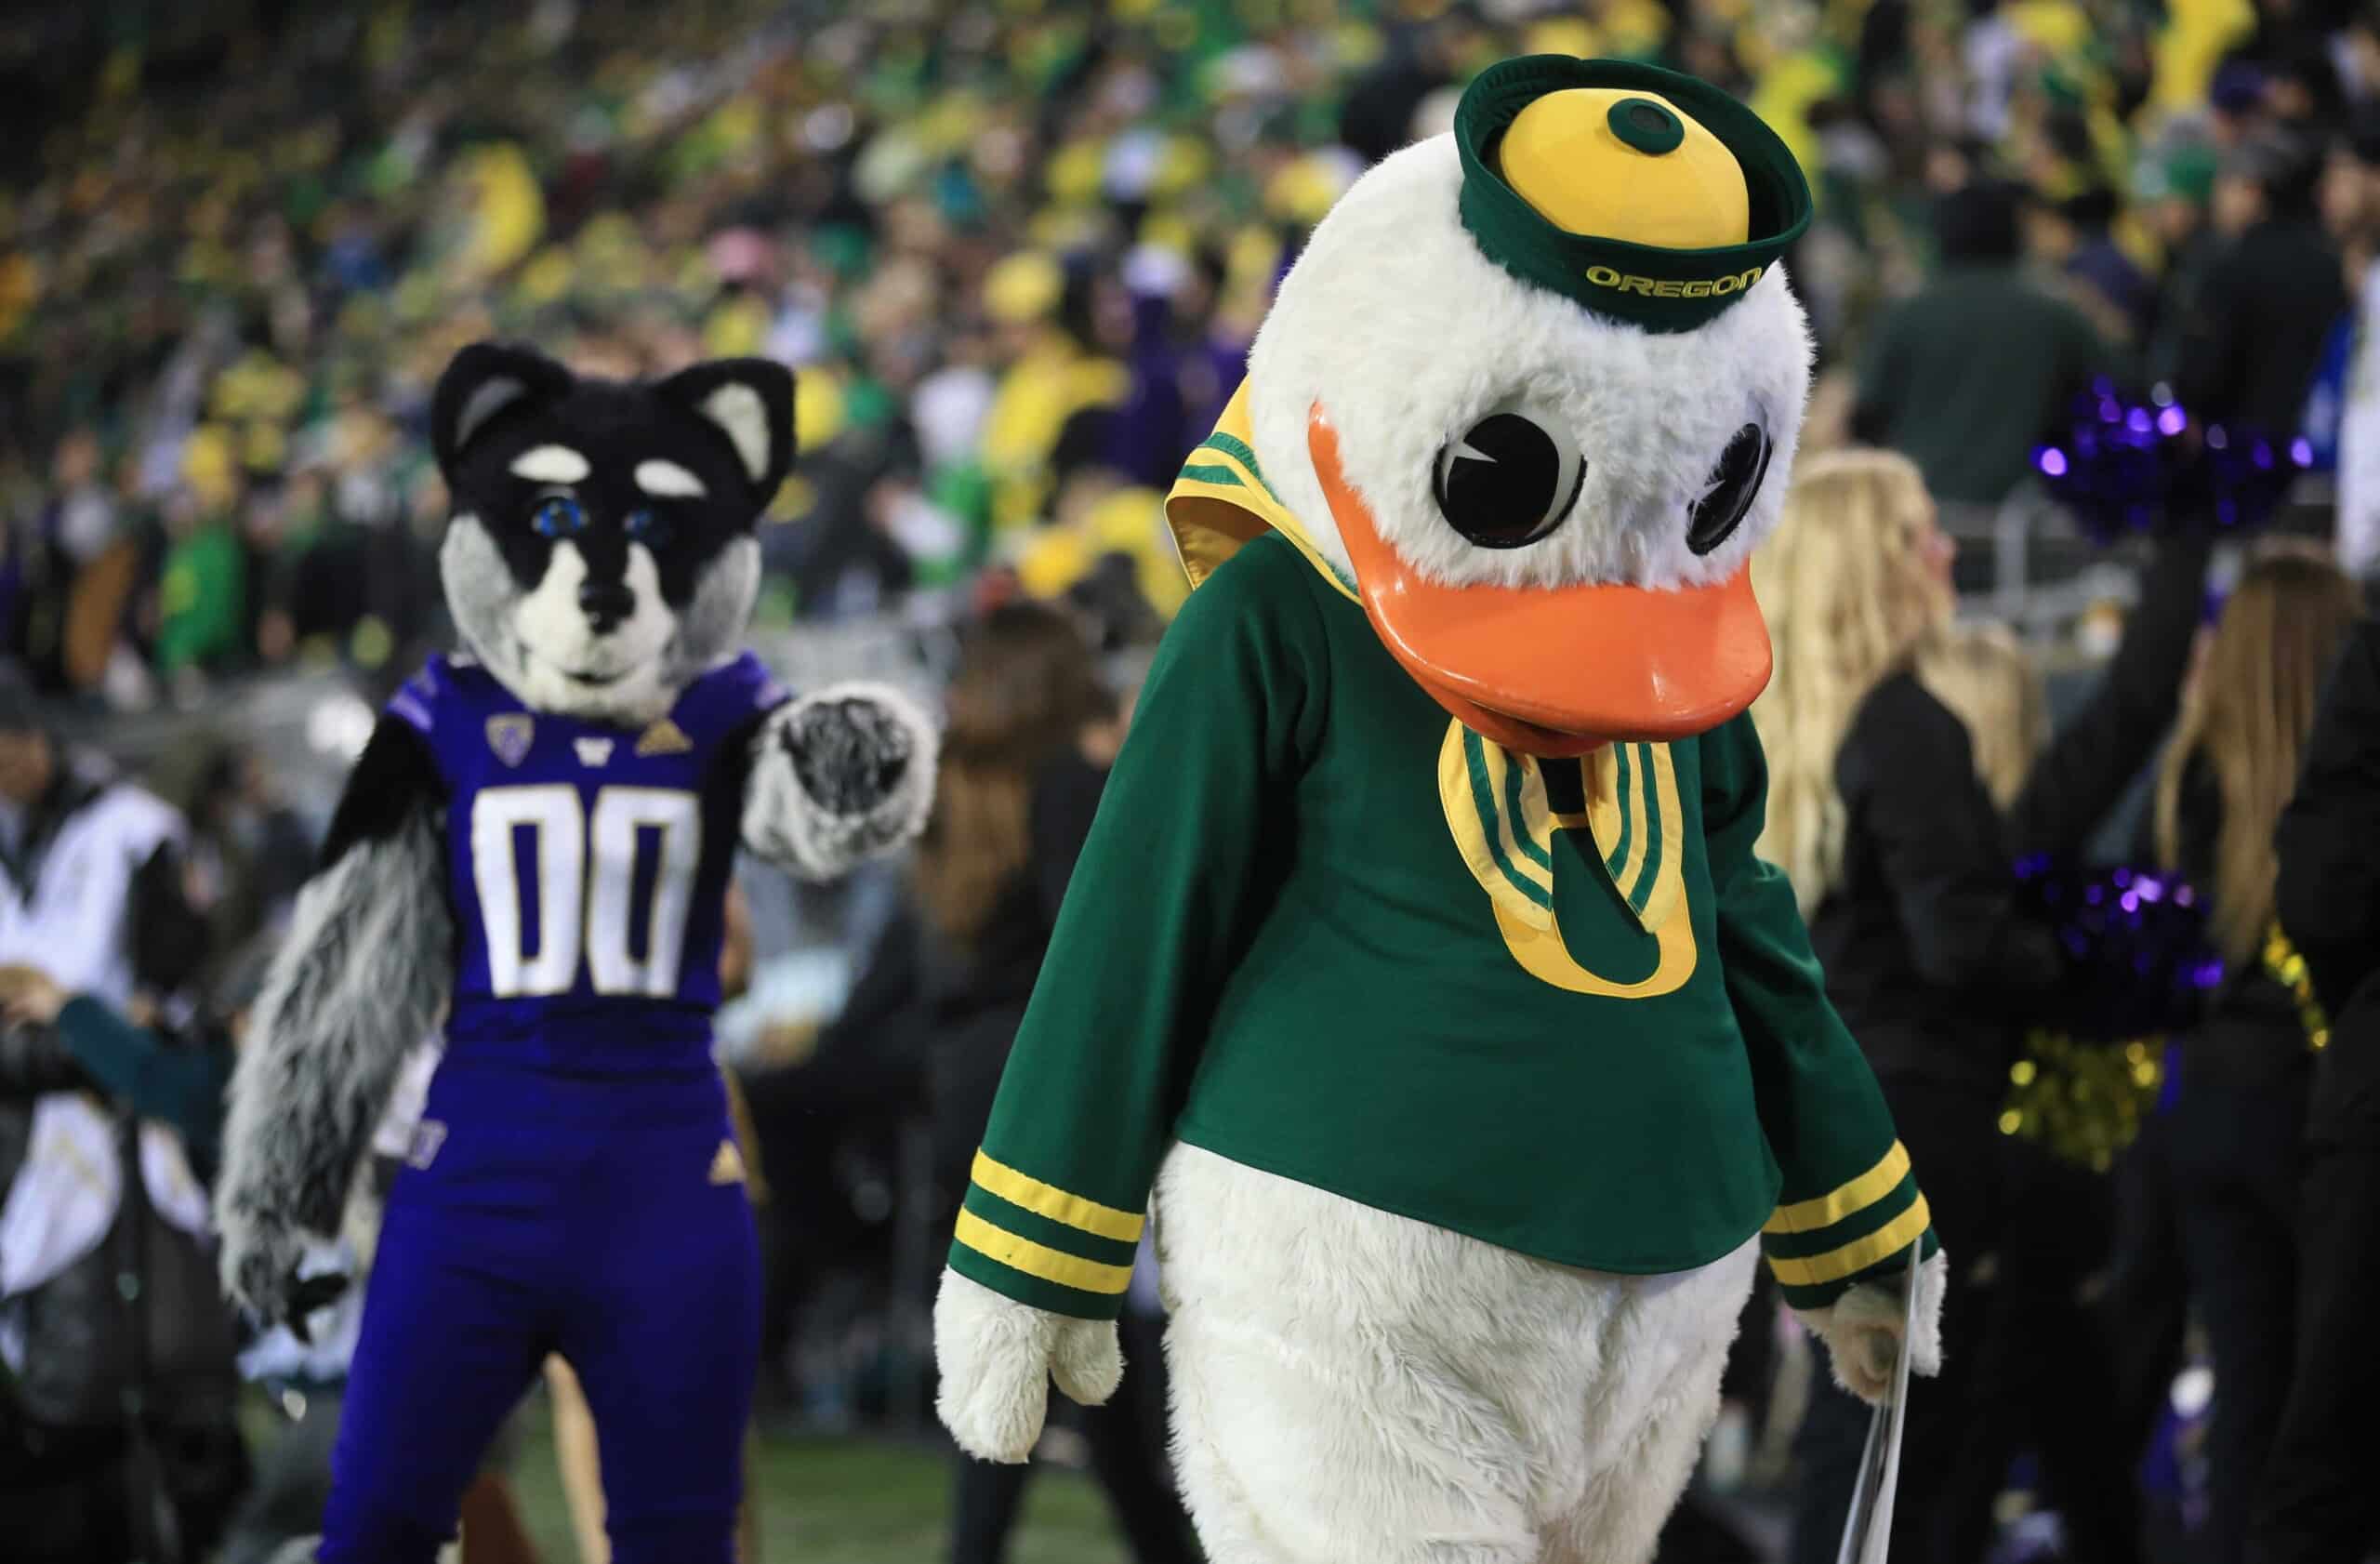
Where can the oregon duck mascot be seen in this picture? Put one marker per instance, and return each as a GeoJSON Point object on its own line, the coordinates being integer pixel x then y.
{"type": "Point", "coordinates": [1419, 973]}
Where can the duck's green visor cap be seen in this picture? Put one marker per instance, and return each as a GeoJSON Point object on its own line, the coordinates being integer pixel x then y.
{"type": "Point", "coordinates": [1658, 229]}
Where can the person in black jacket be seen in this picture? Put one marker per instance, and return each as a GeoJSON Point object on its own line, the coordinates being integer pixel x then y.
{"type": "Point", "coordinates": [117, 1439]}
{"type": "Point", "coordinates": [860, 1081]}
{"type": "Point", "coordinates": [2318, 1502]}
{"type": "Point", "coordinates": [2238, 1113]}
{"type": "Point", "coordinates": [1031, 735]}
{"type": "Point", "coordinates": [1904, 862]}
{"type": "Point", "coordinates": [2270, 299]}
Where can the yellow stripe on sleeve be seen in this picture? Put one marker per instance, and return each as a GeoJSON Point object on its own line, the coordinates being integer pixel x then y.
{"type": "Point", "coordinates": [1852, 1258]}
{"type": "Point", "coordinates": [1048, 1199]}
{"type": "Point", "coordinates": [1808, 1216]}
{"type": "Point", "coordinates": [1033, 1259]}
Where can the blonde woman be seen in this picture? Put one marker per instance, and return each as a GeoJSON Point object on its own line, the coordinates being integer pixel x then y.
{"type": "Point", "coordinates": [1983, 673]}
{"type": "Point", "coordinates": [1902, 857]}
{"type": "Point", "coordinates": [2238, 1116]}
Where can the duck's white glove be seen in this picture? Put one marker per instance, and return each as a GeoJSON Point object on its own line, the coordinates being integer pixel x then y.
{"type": "Point", "coordinates": [998, 1357]}
{"type": "Point", "coordinates": [1862, 1330]}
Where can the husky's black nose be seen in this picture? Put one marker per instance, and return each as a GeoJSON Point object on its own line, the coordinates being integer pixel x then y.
{"type": "Point", "coordinates": [606, 603]}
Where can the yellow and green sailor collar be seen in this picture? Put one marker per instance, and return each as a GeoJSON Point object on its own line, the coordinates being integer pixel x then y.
{"type": "Point", "coordinates": [1221, 500]}
{"type": "Point", "coordinates": [1495, 799]}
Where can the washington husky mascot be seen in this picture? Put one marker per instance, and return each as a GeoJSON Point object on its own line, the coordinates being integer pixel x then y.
{"type": "Point", "coordinates": [536, 846]}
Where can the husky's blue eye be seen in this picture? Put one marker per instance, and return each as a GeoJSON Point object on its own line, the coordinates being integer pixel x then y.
{"type": "Point", "coordinates": [648, 528]}
{"type": "Point", "coordinates": [558, 515]}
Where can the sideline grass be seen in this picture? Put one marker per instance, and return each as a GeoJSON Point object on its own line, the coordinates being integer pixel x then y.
{"type": "Point", "coordinates": [850, 1501]}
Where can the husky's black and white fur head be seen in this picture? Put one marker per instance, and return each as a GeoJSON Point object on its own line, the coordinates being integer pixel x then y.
{"type": "Point", "coordinates": [601, 553]}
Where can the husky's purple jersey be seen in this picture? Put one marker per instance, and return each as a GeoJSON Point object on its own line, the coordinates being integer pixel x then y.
{"type": "Point", "coordinates": [587, 866]}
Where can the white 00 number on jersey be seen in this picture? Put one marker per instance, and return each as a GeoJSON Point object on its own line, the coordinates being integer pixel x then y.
{"type": "Point", "coordinates": [582, 869]}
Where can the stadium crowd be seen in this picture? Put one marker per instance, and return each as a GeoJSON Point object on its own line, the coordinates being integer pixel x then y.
{"type": "Point", "coordinates": [1015, 252]}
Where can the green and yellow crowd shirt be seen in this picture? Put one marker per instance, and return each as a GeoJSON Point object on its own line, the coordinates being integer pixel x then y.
{"type": "Point", "coordinates": [1323, 930]}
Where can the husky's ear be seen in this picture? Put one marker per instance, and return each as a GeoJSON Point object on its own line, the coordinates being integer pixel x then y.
{"type": "Point", "coordinates": [750, 401]}
{"type": "Point", "coordinates": [485, 379]}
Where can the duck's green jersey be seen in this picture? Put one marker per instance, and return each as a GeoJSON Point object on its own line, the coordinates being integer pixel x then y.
{"type": "Point", "coordinates": [1274, 947]}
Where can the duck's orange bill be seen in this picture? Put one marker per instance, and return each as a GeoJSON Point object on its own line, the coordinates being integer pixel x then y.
{"type": "Point", "coordinates": [1554, 671]}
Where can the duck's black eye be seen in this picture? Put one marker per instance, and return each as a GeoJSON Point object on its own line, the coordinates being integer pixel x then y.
{"type": "Point", "coordinates": [1509, 480]}
{"type": "Point", "coordinates": [1734, 484]}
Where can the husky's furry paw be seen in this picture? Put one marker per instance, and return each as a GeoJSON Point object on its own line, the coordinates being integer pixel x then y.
{"type": "Point", "coordinates": [849, 751]}
{"type": "Point", "coordinates": [261, 1264]}
{"type": "Point", "coordinates": [1862, 1330]}
{"type": "Point", "coordinates": [838, 777]}
{"type": "Point", "coordinates": [259, 1261]}
{"type": "Point", "coordinates": [996, 1358]}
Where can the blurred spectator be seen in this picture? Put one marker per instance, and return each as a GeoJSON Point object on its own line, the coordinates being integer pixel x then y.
{"type": "Point", "coordinates": [249, 851]}
{"type": "Point", "coordinates": [245, 281]}
{"type": "Point", "coordinates": [2302, 87]}
{"type": "Point", "coordinates": [2238, 1113]}
{"type": "Point", "coordinates": [843, 1096]}
{"type": "Point", "coordinates": [116, 1439]}
{"type": "Point", "coordinates": [2350, 200]}
{"type": "Point", "coordinates": [2318, 1501]}
{"type": "Point", "coordinates": [1969, 374]}
{"type": "Point", "coordinates": [92, 868]}
{"type": "Point", "coordinates": [1382, 106]}
{"type": "Point", "coordinates": [2177, 191]}
{"type": "Point", "coordinates": [1903, 860]}
{"type": "Point", "coordinates": [1032, 736]}
{"type": "Point", "coordinates": [178, 1081]}
{"type": "Point", "coordinates": [203, 594]}
{"type": "Point", "coordinates": [2072, 236]}
{"type": "Point", "coordinates": [2249, 354]}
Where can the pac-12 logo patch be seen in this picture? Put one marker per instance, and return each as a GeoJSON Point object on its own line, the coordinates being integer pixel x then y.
{"type": "Point", "coordinates": [727, 1166]}
{"type": "Point", "coordinates": [509, 736]}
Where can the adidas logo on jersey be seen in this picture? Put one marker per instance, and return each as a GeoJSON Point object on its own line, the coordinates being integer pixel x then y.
{"type": "Point", "coordinates": [664, 737]}
{"type": "Point", "coordinates": [594, 751]}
